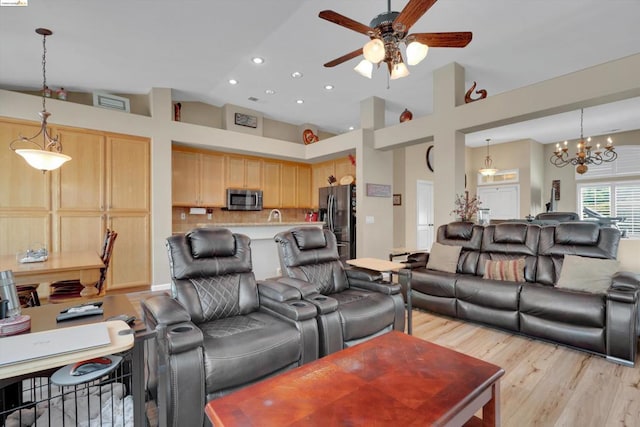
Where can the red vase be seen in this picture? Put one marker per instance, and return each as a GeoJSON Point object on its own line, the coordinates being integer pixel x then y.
{"type": "Point", "coordinates": [406, 116]}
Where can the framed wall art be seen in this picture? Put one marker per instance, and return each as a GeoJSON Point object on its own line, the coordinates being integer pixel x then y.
{"type": "Point", "coordinates": [247, 120]}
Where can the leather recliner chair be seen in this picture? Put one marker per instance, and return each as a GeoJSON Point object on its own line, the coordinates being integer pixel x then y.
{"type": "Point", "coordinates": [353, 305]}
{"type": "Point", "coordinates": [219, 331]}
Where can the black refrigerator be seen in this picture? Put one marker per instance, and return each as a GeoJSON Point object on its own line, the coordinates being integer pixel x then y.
{"type": "Point", "coordinates": [338, 211]}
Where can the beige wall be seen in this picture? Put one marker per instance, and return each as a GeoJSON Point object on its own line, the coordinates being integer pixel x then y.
{"type": "Point", "coordinates": [444, 128]}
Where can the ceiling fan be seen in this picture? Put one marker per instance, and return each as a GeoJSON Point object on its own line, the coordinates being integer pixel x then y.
{"type": "Point", "coordinates": [387, 31]}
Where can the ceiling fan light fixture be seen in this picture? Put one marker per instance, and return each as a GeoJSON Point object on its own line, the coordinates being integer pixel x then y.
{"type": "Point", "coordinates": [399, 70]}
{"type": "Point", "coordinates": [373, 51]}
{"type": "Point", "coordinates": [416, 52]}
{"type": "Point", "coordinates": [364, 68]}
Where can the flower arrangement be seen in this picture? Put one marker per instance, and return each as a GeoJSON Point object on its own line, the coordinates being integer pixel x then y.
{"type": "Point", "coordinates": [466, 207]}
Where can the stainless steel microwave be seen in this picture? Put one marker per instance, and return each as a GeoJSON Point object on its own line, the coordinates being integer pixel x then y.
{"type": "Point", "coordinates": [240, 199]}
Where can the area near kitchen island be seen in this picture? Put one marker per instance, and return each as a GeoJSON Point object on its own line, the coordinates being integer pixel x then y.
{"type": "Point", "coordinates": [264, 252]}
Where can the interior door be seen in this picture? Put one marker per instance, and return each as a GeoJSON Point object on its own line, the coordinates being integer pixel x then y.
{"type": "Point", "coordinates": [502, 200]}
{"type": "Point", "coordinates": [424, 204]}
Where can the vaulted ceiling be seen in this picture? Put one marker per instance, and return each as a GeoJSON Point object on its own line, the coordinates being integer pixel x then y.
{"type": "Point", "coordinates": [196, 46]}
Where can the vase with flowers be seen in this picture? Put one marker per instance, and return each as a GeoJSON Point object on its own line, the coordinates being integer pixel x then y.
{"type": "Point", "coordinates": [466, 206]}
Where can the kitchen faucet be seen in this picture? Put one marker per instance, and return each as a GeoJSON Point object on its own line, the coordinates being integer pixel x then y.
{"type": "Point", "coordinates": [275, 214]}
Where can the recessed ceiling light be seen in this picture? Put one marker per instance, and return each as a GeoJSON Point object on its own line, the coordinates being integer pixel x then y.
{"type": "Point", "coordinates": [257, 60]}
{"type": "Point", "coordinates": [300, 101]}
{"type": "Point", "coordinates": [328, 87]}
{"type": "Point", "coordinates": [233, 82]}
{"type": "Point", "coordinates": [269, 91]}
{"type": "Point", "coordinates": [296, 74]}
{"type": "Point", "coordinates": [351, 128]}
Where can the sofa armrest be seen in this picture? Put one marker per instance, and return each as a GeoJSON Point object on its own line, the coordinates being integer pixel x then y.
{"type": "Point", "coordinates": [626, 280]}
{"type": "Point", "coordinates": [285, 301]}
{"type": "Point", "coordinates": [162, 309]}
{"type": "Point", "coordinates": [354, 273]}
{"type": "Point", "coordinates": [305, 288]}
{"type": "Point", "coordinates": [417, 260]}
{"type": "Point", "coordinates": [324, 304]}
{"type": "Point", "coordinates": [371, 281]}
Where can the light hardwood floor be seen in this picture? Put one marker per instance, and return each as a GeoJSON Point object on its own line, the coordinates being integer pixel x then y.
{"type": "Point", "coordinates": [544, 384]}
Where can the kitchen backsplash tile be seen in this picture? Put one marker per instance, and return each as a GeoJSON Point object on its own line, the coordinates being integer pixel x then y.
{"type": "Point", "coordinates": [221, 216]}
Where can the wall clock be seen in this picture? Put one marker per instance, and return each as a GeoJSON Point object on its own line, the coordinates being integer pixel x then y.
{"type": "Point", "coordinates": [429, 158]}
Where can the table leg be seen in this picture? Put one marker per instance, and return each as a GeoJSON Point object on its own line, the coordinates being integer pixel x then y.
{"type": "Point", "coordinates": [409, 306]}
{"type": "Point", "coordinates": [491, 410]}
{"type": "Point", "coordinates": [88, 279]}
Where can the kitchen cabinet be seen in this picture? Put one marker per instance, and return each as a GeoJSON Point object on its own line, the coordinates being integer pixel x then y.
{"type": "Point", "coordinates": [21, 186]}
{"type": "Point", "coordinates": [201, 177]}
{"type": "Point", "coordinates": [198, 179]}
{"type": "Point", "coordinates": [185, 178]}
{"type": "Point", "coordinates": [128, 173]}
{"type": "Point", "coordinates": [244, 172]}
{"type": "Point", "coordinates": [271, 184]}
{"type": "Point", "coordinates": [130, 262]}
{"type": "Point", "coordinates": [80, 183]}
{"type": "Point", "coordinates": [304, 187]}
{"type": "Point", "coordinates": [289, 186]}
{"type": "Point", "coordinates": [107, 183]}
{"type": "Point", "coordinates": [339, 168]}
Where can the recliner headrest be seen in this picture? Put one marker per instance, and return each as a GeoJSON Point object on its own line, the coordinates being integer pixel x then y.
{"type": "Point", "coordinates": [459, 230]}
{"type": "Point", "coordinates": [577, 233]}
{"type": "Point", "coordinates": [510, 233]}
{"type": "Point", "coordinates": [309, 238]}
{"type": "Point", "coordinates": [211, 242]}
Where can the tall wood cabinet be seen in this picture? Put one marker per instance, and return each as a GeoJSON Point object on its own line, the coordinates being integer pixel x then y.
{"type": "Point", "coordinates": [106, 184]}
{"type": "Point", "coordinates": [25, 199]}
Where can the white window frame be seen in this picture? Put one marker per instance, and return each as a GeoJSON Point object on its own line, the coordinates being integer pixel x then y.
{"type": "Point", "coordinates": [612, 184]}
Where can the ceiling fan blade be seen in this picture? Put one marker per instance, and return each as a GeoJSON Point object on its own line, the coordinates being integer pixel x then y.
{"type": "Point", "coordinates": [457, 39]}
{"type": "Point", "coordinates": [349, 23]}
{"type": "Point", "coordinates": [412, 12]}
{"type": "Point", "coordinates": [344, 58]}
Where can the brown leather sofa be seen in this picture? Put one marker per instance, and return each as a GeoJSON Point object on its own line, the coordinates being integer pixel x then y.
{"type": "Point", "coordinates": [220, 331]}
{"type": "Point", "coordinates": [605, 323]}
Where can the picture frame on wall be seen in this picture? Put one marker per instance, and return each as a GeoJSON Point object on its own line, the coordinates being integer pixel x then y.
{"type": "Point", "coordinates": [246, 120]}
{"type": "Point", "coordinates": [397, 200]}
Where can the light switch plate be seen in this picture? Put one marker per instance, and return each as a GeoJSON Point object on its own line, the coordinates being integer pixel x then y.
{"type": "Point", "coordinates": [369, 219]}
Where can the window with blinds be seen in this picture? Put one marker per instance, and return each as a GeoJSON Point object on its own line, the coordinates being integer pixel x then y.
{"type": "Point", "coordinates": [614, 199]}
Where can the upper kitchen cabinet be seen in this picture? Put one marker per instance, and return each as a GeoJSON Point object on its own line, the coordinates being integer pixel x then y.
{"type": "Point", "coordinates": [304, 187]}
{"type": "Point", "coordinates": [22, 187]}
{"type": "Point", "coordinates": [289, 186]}
{"type": "Point", "coordinates": [198, 179]}
{"type": "Point", "coordinates": [272, 180]}
{"type": "Point", "coordinates": [344, 167]}
{"type": "Point", "coordinates": [244, 172]}
{"type": "Point", "coordinates": [339, 168]}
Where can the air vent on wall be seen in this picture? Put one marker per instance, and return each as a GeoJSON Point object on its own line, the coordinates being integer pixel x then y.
{"type": "Point", "coordinates": [253, 98]}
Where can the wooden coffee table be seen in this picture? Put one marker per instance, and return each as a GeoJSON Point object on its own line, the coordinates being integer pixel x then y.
{"type": "Point", "coordinates": [394, 379]}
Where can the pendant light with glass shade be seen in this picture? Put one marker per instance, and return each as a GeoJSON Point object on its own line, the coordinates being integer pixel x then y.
{"type": "Point", "coordinates": [488, 169]}
{"type": "Point", "coordinates": [47, 155]}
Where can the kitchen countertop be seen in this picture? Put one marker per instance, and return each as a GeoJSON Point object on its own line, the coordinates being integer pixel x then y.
{"type": "Point", "coordinates": [250, 225]}
{"type": "Point", "coordinates": [259, 224]}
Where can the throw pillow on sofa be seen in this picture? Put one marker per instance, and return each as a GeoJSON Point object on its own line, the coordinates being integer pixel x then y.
{"type": "Point", "coordinates": [587, 274]}
{"type": "Point", "coordinates": [511, 270]}
{"type": "Point", "coordinates": [444, 257]}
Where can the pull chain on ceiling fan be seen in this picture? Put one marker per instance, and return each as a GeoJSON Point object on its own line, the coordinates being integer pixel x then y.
{"type": "Point", "coordinates": [388, 31]}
